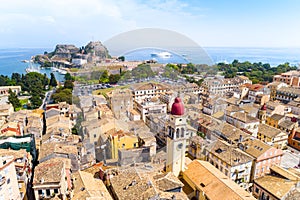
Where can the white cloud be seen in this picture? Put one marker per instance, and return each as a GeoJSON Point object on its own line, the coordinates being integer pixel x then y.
{"type": "Point", "coordinates": [49, 19]}
{"type": "Point", "coordinates": [77, 20]}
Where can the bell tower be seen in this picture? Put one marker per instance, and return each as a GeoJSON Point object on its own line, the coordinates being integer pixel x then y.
{"type": "Point", "coordinates": [176, 138]}
{"type": "Point", "coordinates": [262, 114]}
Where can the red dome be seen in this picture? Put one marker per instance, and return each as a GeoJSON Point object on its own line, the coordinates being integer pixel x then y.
{"type": "Point", "coordinates": [264, 107]}
{"type": "Point", "coordinates": [177, 107]}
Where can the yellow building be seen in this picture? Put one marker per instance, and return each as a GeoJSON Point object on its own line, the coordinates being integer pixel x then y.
{"type": "Point", "coordinates": [120, 140]}
{"type": "Point", "coordinates": [274, 120]}
{"type": "Point", "coordinates": [272, 136]}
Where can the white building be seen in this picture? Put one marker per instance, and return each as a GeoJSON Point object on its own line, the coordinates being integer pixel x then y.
{"type": "Point", "coordinates": [52, 178]}
{"type": "Point", "coordinates": [219, 86]}
{"type": "Point", "coordinates": [148, 90]}
{"type": "Point", "coordinates": [9, 187]}
{"type": "Point", "coordinates": [231, 161]}
{"type": "Point", "coordinates": [149, 106]}
{"type": "Point", "coordinates": [244, 121]}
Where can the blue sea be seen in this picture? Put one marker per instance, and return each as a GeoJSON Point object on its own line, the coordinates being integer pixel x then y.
{"type": "Point", "coordinates": [212, 55]}
{"type": "Point", "coordinates": [10, 59]}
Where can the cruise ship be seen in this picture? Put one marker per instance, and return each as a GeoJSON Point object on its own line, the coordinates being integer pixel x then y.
{"type": "Point", "coordinates": [163, 54]}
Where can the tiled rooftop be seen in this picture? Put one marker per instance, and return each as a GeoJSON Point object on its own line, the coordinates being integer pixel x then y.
{"type": "Point", "coordinates": [87, 187]}
{"type": "Point", "coordinates": [49, 171]}
{"type": "Point", "coordinates": [268, 131]}
{"type": "Point", "coordinates": [214, 183]}
{"type": "Point", "coordinates": [231, 155]}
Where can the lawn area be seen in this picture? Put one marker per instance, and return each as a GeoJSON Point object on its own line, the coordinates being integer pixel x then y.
{"type": "Point", "coordinates": [107, 90]}
{"type": "Point", "coordinates": [23, 102]}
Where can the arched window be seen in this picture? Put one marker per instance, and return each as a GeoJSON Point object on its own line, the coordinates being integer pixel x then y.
{"type": "Point", "coordinates": [182, 132]}
{"type": "Point", "coordinates": [177, 133]}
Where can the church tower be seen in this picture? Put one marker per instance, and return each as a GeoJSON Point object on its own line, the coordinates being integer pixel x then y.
{"type": "Point", "coordinates": [176, 138]}
{"type": "Point", "coordinates": [262, 114]}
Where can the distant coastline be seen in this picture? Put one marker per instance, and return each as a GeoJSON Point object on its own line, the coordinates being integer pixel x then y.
{"type": "Point", "coordinates": [10, 58]}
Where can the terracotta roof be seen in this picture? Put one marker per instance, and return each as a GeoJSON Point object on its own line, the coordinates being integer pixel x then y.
{"type": "Point", "coordinates": [244, 117]}
{"type": "Point", "coordinates": [229, 131]}
{"type": "Point", "coordinates": [289, 90]}
{"type": "Point", "coordinates": [255, 147]}
{"type": "Point", "coordinates": [141, 183]}
{"type": "Point", "coordinates": [167, 181]}
{"type": "Point", "coordinates": [288, 174]}
{"type": "Point", "coordinates": [60, 148]}
{"type": "Point", "coordinates": [287, 124]}
{"type": "Point", "coordinates": [230, 155]}
{"type": "Point", "coordinates": [233, 108]}
{"type": "Point", "coordinates": [277, 186]}
{"type": "Point", "coordinates": [55, 119]}
{"type": "Point", "coordinates": [87, 187]}
{"type": "Point", "coordinates": [214, 183]}
{"type": "Point", "coordinates": [49, 171]}
{"type": "Point", "coordinates": [268, 131]}
{"type": "Point", "coordinates": [277, 117]}
{"type": "Point", "coordinates": [254, 87]}
{"type": "Point", "coordinates": [149, 86]}
{"type": "Point", "coordinates": [129, 185]}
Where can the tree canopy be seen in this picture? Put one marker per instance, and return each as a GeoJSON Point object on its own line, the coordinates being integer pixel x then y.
{"type": "Point", "coordinates": [62, 94]}
{"type": "Point", "coordinates": [104, 78]}
{"type": "Point", "coordinates": [53, 81]}
{"type": "Point", "coordinates": [13, 99]}
{"type": "Point", "coordinates": [34, 83]}
{"type": "Point", "coordinates": [257, 72]}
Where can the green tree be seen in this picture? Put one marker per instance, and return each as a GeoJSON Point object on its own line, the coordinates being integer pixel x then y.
{"type": "Point", "coordinates": [142, 71]}
{"type": "Point", "coordinates": [104, 78]}
{"type": "Point", "coordinates": [16, 77]}
{"type": "Point", "coordinates": [173, 66]}
{"type": "Point", "coordinates": [34, 80]}
{"type": "Point", "coordinates": [53, 81]}
{"type": "Point", "coordinates": [35, 101]}
{"type": "Point", "coordinates": [69, 77]}
{"type": "Point", "coordinates": [68, 84]}
{"type": "Point", "coordinates": [171, 72]}
{"type": "Point", "coordinates": [5, 81]}
{"type": "Point", "coordinates": [62, 94]}
{"type": "Point", "coordinates": [13, 99]}
{"type": "Point", "coordinates": [121, 58]}
{"type": "Point", "coordinates": [114, 78]}
{"type": "Point", "coordinates": [189, 69]}
{"type": "Point", "coordinates": [45, 80]}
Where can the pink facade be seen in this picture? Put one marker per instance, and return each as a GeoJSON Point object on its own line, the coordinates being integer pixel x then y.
{"type": "Point", "coordinates": [266, 160]}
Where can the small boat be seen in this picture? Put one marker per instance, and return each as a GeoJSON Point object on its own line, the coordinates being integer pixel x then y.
{"type": "Point", "coordinates": [31, 68]}
{"type": "Point", "coordinates": [61, 71]}
{"type": "Point", "coordinates": [25, 61]}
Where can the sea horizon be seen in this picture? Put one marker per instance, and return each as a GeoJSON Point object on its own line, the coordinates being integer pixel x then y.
{"type": "Point", "coordinates": [10, 58]}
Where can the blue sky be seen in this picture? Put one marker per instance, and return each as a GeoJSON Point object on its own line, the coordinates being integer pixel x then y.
{"type": "Point", "coordinates": [241, 23]}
